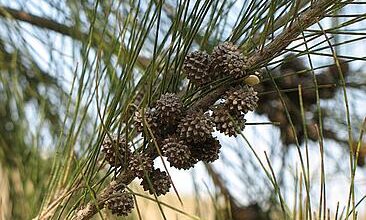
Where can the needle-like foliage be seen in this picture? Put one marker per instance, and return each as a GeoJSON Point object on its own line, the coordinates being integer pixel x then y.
{"type": "Point", "coordinates": [76, 73]}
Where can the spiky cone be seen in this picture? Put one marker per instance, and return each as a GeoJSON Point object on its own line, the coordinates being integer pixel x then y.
{"type": "Point", "coordinates": [139, 164]}
{"type": "Point", "coordinates": [178, 153]}
{"type": "Point", "coordinates": [195, 127]}
{"type": "Point", "coordinates": [207, 151]}
{"type": "Point", "coordinates": [152, 123]}
{"type": "Point", "coordinates": [159, 180]}
{"type": "Point", "coordinates": [120, 203]}
{"type": "Point", "coordinates": [227, 60]}
{"type": "Point", "coordinates": [116, 150]}
{"type": "Point", "coordinates": [169, 109]}
{"type": "Point", "coordinates": [241, 99]}
{"type": "Point", "coordinates": [229, 124]}
{"type": "Point", "coordinates": [197, 68]}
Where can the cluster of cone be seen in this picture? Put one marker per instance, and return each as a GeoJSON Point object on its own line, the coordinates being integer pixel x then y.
{"type": "Point", "coordinates": [183, 137]}
{"type": "Point", "coordinates": [225, 60]}
{"type": "Point", "coordinates": [118, 154]}
{"type": "Point", "coordinates": [292, 73]}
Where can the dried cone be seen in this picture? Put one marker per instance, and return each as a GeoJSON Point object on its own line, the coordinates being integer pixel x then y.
{"type": "Point", "coordinates": [120, 203]}
{"type": "Point", "coordinates": [227, 60]}
{"type": "Point", "coordinates": [178, 154]}
{"type": "Point", "coordinates": [169, 109]}
{"type": "Point", "coordinates": [229, 124]}
{"type": "Point", "coordinates": [140, 164]}
{"type": "Point", "coordinates": [160, 182]}
{"type": "Point", "coordinates": [241, 99]}
{"type": "Point", "coordinates": [116, 150]}
{"type": "Point", "coordinates": [196, 66]}
{"type": "Point", "coordinates": [195, 127]}
{"type": "Point", "coordinates": [207, 151]}
{"type": "Point", "coordinates": [152, 120]}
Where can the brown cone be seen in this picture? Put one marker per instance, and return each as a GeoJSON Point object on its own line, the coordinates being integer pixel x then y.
{"type": "Point", "coordinates": [178, 154]}
{"type": "Point", "coordinates": [140, 164]}
{"type": "Point", "coordinates": [241, 99]}
{"type": "Point", "coordinates": [120, 203]}
{"type": "Point", "coordinates": [116, 150]}
{"type": "Point", "coordinates": [207, 151]}
{"type": "Point", "coordinates": [150, 118]}
{"type": "Point", "coordinates": [196, 67]}
{"type": "Point", "coordinates": [229, 124]}
{"type": "Point", "coordinates": [160, 182]}
{"type": "Point", "coordinates": [169, 109]}
{"type": "Point", "coordinates": [228, 61]}
{"type": "Point", "coordinates": [195, 127]}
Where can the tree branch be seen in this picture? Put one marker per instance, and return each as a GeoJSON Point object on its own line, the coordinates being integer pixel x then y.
{"type": "Point", "coordinates": [71, 31]}
{"type": "Point", "coordinates": [42, 23]}
{"type": "Point", "coordinates": [306, 19]}
{"type": "Point", "coordinates": [90, 209]}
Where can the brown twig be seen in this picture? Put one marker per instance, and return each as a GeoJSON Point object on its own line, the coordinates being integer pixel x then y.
{"type": "Point", "coordinates": [71, 31]}
{"type": "Point", "coordinates": [42, 22]}
{"type": "Point", "coordinates": [306, 19]}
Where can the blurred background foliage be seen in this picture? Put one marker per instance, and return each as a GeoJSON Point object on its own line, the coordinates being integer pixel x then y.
{"type": "Point", "coordinates": [72, 70]}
